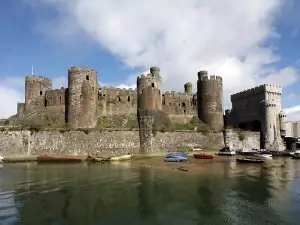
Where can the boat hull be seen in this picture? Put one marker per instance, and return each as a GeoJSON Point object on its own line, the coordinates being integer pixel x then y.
{"type": "Point", "coordinates": [121, 158]}
{"type": "Point", "coordinates": [175, 159]}
{"type": "Point", "coordinates": [231, 153]}
{"type": "Point", "coordinates": [246, 160]}
{"type": "Point", "coordinates": [203, 156]}
{"type": "Point", "coordinates": [173, 155]}
{"type": "Point", "coordinates": [60, 158]}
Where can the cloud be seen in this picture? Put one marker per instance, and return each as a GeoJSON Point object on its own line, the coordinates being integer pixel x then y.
{"type": "Point", "coordinates": [235, 39]}
{"type": "Point", "coordinates": [293, 113]}
{"type": "Point", "coordinates": [11, 91]}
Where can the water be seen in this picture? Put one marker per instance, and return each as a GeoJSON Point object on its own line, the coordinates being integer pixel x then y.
{"type": "Point", "coordinates": [221, 192]}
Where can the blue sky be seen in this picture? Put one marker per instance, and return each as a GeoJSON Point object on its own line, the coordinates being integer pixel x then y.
{"type": "Point", "coordinates": [248, 44]}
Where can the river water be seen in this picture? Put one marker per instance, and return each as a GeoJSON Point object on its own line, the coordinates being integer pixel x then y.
{"type": "Point", "coordinates": [218, 192]}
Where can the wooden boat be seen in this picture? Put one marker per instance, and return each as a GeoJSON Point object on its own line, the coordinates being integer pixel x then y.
{"type": "Point", "coordinates": [204, 156]}
{"type": "Point", "coordinates": [179, 154]}
{"type": "Point", "coordinates": [61, 158]}
{"type": "Point", "coordinates": [121, 158]}
{"type": "Point", "coordinates": [295, 155]}
{"type": "Point", "coordinates": [175, 159]}
{"type": "Point", "coordinates": [250, 160]}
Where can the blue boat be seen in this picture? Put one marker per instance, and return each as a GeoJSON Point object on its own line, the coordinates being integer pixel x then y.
{"type": "Point", "coordinates": [179, 154]}
{"type": "Point", "coordinates": [175, 159]}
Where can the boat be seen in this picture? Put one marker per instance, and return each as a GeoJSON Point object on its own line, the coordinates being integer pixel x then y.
{"type": "Point", "coordinates": [204, 156]}
{"type": "Point", "coordinates": [250, 160]}
{"type": "Point", "coordinates": [226, 151]}
{"type": "Point", "coordinates": [295, 155]}
{"type": "Point", "coordinates": [93, 158]}
{"type": "Point", "coordinates": [175, 159]}
{"type": "Point", "coordinates": [121, 158]}
{"type": "Point", "coordinates": [252, 153]}
{"type": "Point", "coordinates": [179, 154]}
{"type": "Point", "coordinates": [61, 158]}
{"type": "Point", "coordinates": [265, 156]}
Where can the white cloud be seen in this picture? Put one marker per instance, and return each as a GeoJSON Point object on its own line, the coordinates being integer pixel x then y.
{"type": "Point", "coordinates": [11, 89]}
{"type": "Point", "coordinates": [226, 38]}
{"type": "Point", "coordinates": [293, 113]}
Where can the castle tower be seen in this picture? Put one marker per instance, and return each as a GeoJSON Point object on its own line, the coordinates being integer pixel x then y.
{"type": "Point", "coordinates": [149, 106]}
{"type": "Point", "coordinates": [210, 96]}
{"type": "Point", "coordinates": [188, 88]}
{"type": "Point", "coordinates": [35, 90]}
{"type": "Point", "coordinates": [82, 97]}
{"type": "Point", "coordinates": [282, 123]}
{"type": "Point", "coordinates": [269, 128]}
{"type": "Point", "coordinates": [149, 94]}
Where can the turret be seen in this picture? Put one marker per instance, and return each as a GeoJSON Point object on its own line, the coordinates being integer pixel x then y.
{"type": "Point", "coordinates": [82, 97]}
{"type": "Point", "coordinates": [282, 123]}
{"type": "Point", "coordinates": [35, 90]}
{"type": "Point", "coordinates": [188, 88]}
{"type": "Point", "coordinates": [149, 94]}
{"type": "Point", "coordinates": [209, 97]}
{"type": "Point", "coordinates": [269, 123]}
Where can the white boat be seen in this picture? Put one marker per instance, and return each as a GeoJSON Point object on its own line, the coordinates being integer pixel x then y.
{"type": "Point", "coordinates": [121, 158]}
{"type": "Point", "coordinates": [229, 153]}
{"type": "Point", "coordinates": [265, 156]}
{"type": "Point", "coordinates": [295, 155]}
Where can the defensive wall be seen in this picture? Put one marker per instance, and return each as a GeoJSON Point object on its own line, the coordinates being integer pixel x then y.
{"type": "Point", "coordinates": [25, 142]}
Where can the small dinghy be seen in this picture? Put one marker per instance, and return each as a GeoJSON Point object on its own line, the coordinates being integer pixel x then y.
{"type": "Point", "coordinates": [226, 151]}
{"type": "Point", "coordinates": [295, 155]}
{"type": "Point", "coordinates": [179, 154]}
{"type": "Point", "coordinates": [175, 159]}
{"type": "Point", "coordinates": [250, 160]}
{"type": "Point", "coordinates": [121, 158]}
{"type": "Point", "coordinates": [264, 156]}
{"type": "Point", "coordinates": [204, 156]}
{"type": "Point", "coordinates": [61, 158]}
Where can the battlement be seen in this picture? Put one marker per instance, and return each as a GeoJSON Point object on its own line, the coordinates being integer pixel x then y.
{"type": "Point", "coordinates": [256, 90]}
{"type": "Point", "coordinates": [188, 84]}
{"type": "Point", "coordinates": [211, 77]}
{"type": "Point", "coordinates": [37, 78]}
{"type": "Point", "coordinates": [282, 115]}
{"type": "Point", "coordinates": [175, 93]}
{"type": "Point", "coordinates": [76, 69]}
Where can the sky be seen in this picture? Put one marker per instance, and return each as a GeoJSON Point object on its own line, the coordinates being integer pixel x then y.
{"type": "Point", "coordinates": [248, 43]}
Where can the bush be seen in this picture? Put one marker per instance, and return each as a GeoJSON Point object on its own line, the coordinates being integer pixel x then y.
{"type": "Point", "coordinates": [242, 136]}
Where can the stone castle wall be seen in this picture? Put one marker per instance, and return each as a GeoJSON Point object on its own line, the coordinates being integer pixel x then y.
{"type": "Point", "coordinates": [113, 142]}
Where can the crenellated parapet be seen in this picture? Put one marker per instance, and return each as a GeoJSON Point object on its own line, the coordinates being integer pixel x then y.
{"type": "Point", "coordinates": [252, 92]}
{"type": "Point", "coordinates": [57, 97]}
{"type": "Point", "coordinates": [35, 90]}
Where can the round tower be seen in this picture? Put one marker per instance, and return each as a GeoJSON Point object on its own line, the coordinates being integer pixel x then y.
{"type": "Point", "coordinates": [282, 123]}
{"type": "Point", "coordinates": [82, 97]}
{"type": "Point", "coordinates": [269, 126]}
{"type": "Point", "coordinates": [149, 94]}
{"type": "Point", "coordinates": [209, 97]}
{"type": "Point", "coordinates": [35, 91]}
{"type": "Point", "coordinates": [188, 88]}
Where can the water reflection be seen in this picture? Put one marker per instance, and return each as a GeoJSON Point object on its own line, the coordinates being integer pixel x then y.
{"type": "Point", "coordinates": [131, 194]}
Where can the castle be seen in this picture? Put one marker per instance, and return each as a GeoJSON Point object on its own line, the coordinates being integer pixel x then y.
{"type": "Point", "coordinates": [84, 102]}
